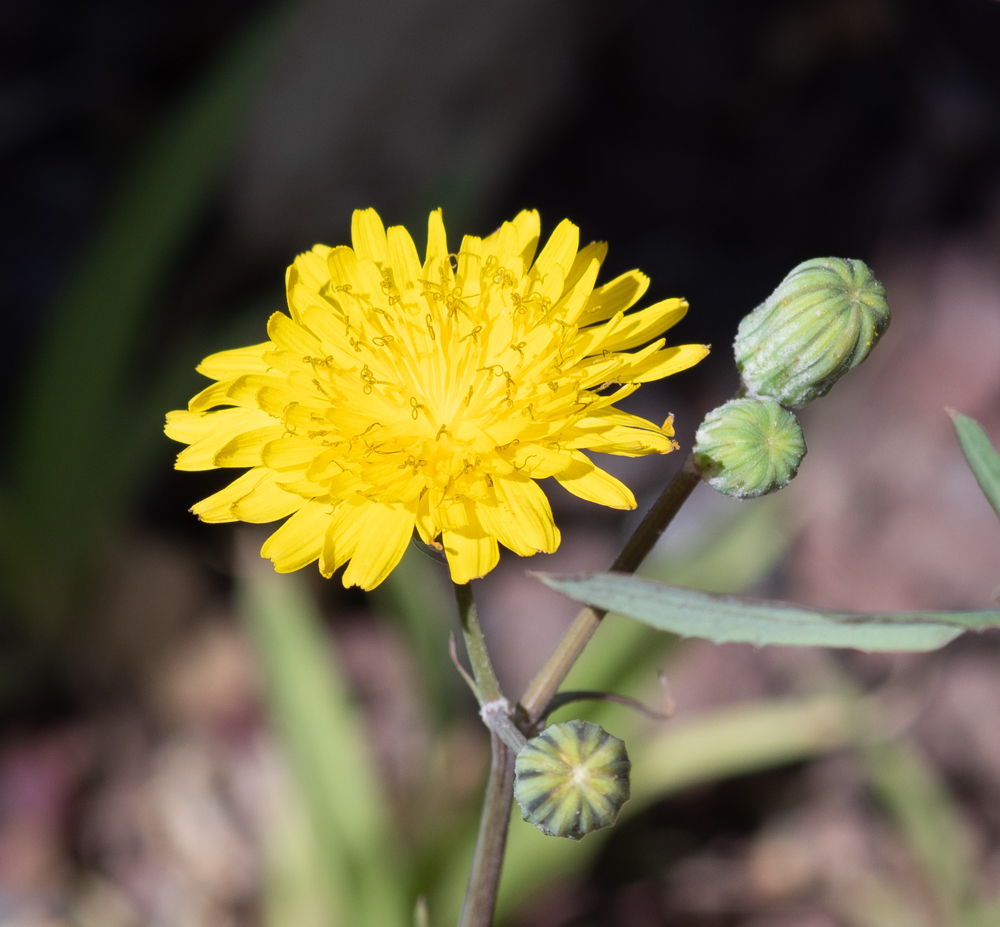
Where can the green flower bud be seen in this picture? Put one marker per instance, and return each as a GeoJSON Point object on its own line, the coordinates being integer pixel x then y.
{"type": "Point", "coordinates": [571, 779]}
{"type": "Point", "coordinates": [749, 447]}
{"type": "Point", "coordinates": [821, 321]}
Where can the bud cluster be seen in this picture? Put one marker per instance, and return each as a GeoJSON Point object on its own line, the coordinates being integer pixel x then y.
{"type": "Point", "coordinates": [822, 321]}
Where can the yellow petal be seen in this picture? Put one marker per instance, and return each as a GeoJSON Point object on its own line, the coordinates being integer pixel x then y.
{"type": "Point", "coordinates": [220, 428]}
{"type": "Point", "coordinates": [245, 449]}
{"type": "Point", "coordinates": [359, 278]}
{"type": "Point", "coordinates": [368, 236]}
{"type": "Point", "coordinates": [469, 556]}
{"type": "Point", "coordinates": [218, 507]}
{"type": "Point", "coordinates": [403, 258]}
{"type": "Point", "coordinates": [595, 251]}
{"type": "Point", "coordinates": [504, 247]}
{"type": "Point", "coordinates": [650, 322]}
{"type": "Point", "coordinates": [214, 395]}
{"type": "Point", "coordinates": [592, 483]}
{"type": "Point", "coordinates": [559, 250]}
{"type": "Point", "coordinates": [288, 335]}
{"type": "Point", "coordinates": [528, 224]}
{"type": "Point", "coordinates": [311, 268]}
{"type": "Point", "coordinates": [298, 542]}
{"type": "Point", "coordinates": [666, 362]}
{"type": "Point", "coordinates": [387, 531]}
{"type": "Point", "coordinates": [426, 527]}
{"type": "Point", "coordinates": [625, 442]}
{"type": "Point", "coordinates": [470, 258]}
{"type": "Point", "coordinates": [617, 295]}
{"type": "Point", "coordinates": [187, 427]}
{"type": "Point", "coordinates": [266, 501]}
{"type": "Point", "coordinates": [343, 533]}
{"type": "Point", "coordinates": [290, 452]}
{"type": "Point", "coordinates": [539, 460]}
{"type": "Point", "coordinates": [437, 244]}
{"type": "Point", "coordinates": [529, 510]}
{"type": "Point", "coordinates": [232, 363]}
{"type": "Point", "coordinates": [571, 305]}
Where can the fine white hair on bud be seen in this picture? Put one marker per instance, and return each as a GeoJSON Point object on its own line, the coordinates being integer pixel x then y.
{"type": "Point", "coordinates": [822, 320]}
{"type": "Point", "coordinates": [749, 447]}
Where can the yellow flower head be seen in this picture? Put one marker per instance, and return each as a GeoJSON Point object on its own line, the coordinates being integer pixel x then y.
{"type": "Point", "coordinates": [399, 395]}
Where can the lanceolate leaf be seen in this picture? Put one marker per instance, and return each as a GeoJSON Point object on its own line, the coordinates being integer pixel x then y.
{"type": "Point", "coordinates": [725, 618]}
{"type": "Point", "coordinates": [981, 455]}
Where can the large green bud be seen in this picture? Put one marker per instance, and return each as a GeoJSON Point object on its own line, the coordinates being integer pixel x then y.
{"type": "Point", "coordinates": [822, 320]}
{"type": "Point", "coordinates": [571, 779]}
{"type": "Point", "coordinates": [748, 447]}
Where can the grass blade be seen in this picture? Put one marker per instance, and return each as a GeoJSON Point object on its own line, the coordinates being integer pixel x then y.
{"type": "Point", "coordinates": [326, 746]}
{"type": "Point", "coordinates": [72, 467]}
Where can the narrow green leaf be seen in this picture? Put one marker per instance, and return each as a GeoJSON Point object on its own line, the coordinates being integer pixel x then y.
{"type": "Point", "coordinates": [981, 456]}
{"type": "Point", "coordinates": [322, 732]}
{"type": "Point", "coordinates": [928, 817]}
{"type": "Point", "coordinates": [73, 465]}
{"type": "Point", "coordinates": [725, 618]}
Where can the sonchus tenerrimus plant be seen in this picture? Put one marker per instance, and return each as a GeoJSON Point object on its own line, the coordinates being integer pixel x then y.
{"type": "Point", "coordinates": [403, 399]}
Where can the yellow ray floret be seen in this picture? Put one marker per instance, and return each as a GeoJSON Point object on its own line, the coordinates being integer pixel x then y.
{"type": "Point", "coordinates": [398, 396]}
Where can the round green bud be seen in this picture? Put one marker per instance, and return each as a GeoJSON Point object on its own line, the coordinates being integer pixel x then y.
{"type": "Point", "coordinates": [571, 779]}
{"type": "Point", "coordinates": [822, 320]}
{"type": "Point", "coordinates": [749, 447]}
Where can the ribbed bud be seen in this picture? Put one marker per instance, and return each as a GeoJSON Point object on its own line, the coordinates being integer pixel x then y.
{"type": "Point", "coordinates": [822, 320]}
{"type": "Point", "coordinates": [571, 779]}
{"type": "Point", "coordinates": [749, 447]}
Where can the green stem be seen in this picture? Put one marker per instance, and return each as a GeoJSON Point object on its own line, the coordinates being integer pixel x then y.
{"type": "Point", "coordinates": [487, 863]}
{"type": "Point", "coordinates": [545, 685]}
{"type": "Point", "coordinates": [484, 879]}
{"type": "Point", "coordinates": [475, 644]}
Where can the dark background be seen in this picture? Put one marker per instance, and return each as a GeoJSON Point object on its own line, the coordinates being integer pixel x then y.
{"type": "Point", "coordinates": [714, 144]}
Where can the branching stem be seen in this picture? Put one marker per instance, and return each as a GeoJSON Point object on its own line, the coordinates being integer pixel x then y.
{"type": "Point", "coordinates": [506, 736]}
{"type": "Point", "coordinates": [545, 685]}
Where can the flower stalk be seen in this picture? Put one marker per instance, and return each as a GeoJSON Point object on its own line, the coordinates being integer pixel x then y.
{"type": "Point", "coordinates": [487, 862]}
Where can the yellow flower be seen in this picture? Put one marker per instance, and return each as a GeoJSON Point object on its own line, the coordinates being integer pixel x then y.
{"type": "Point", "coordinates": [401, 395]}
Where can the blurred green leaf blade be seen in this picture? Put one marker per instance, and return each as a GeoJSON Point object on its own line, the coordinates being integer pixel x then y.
{"type": "Point", "coordinates": [982, 457]}
{"type": "Point", "coordinates": [322, 731]}
{"type": "Point", "coordinates": [74, 463]}
{"type": "Point", "coordinates": [928, 817]}
{"type": "Point", "coordinates": [724, 619]}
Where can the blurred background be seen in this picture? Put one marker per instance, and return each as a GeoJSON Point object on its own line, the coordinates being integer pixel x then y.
{"type": "Point", "coordinates": [186, 740]}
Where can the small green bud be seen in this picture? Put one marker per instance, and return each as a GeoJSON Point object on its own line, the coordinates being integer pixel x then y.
{"type": "Point", "coordinates": [822, 320]}
{"type": "Point", "coordinates": [571, 779]}
{"type": "Point", "coordinates": [749, 447]}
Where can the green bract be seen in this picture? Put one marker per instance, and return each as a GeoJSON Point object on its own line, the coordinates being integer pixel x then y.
{"type": "Point", "coordinates": [749, 447]}
{"type": "Point", "coordinates": [821, 321]}
{"type": "Point", "coordinates": [571, 779]}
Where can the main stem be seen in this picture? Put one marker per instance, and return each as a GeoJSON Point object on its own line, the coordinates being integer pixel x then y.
{"type": "Point", "coordinates": [487, 862]}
